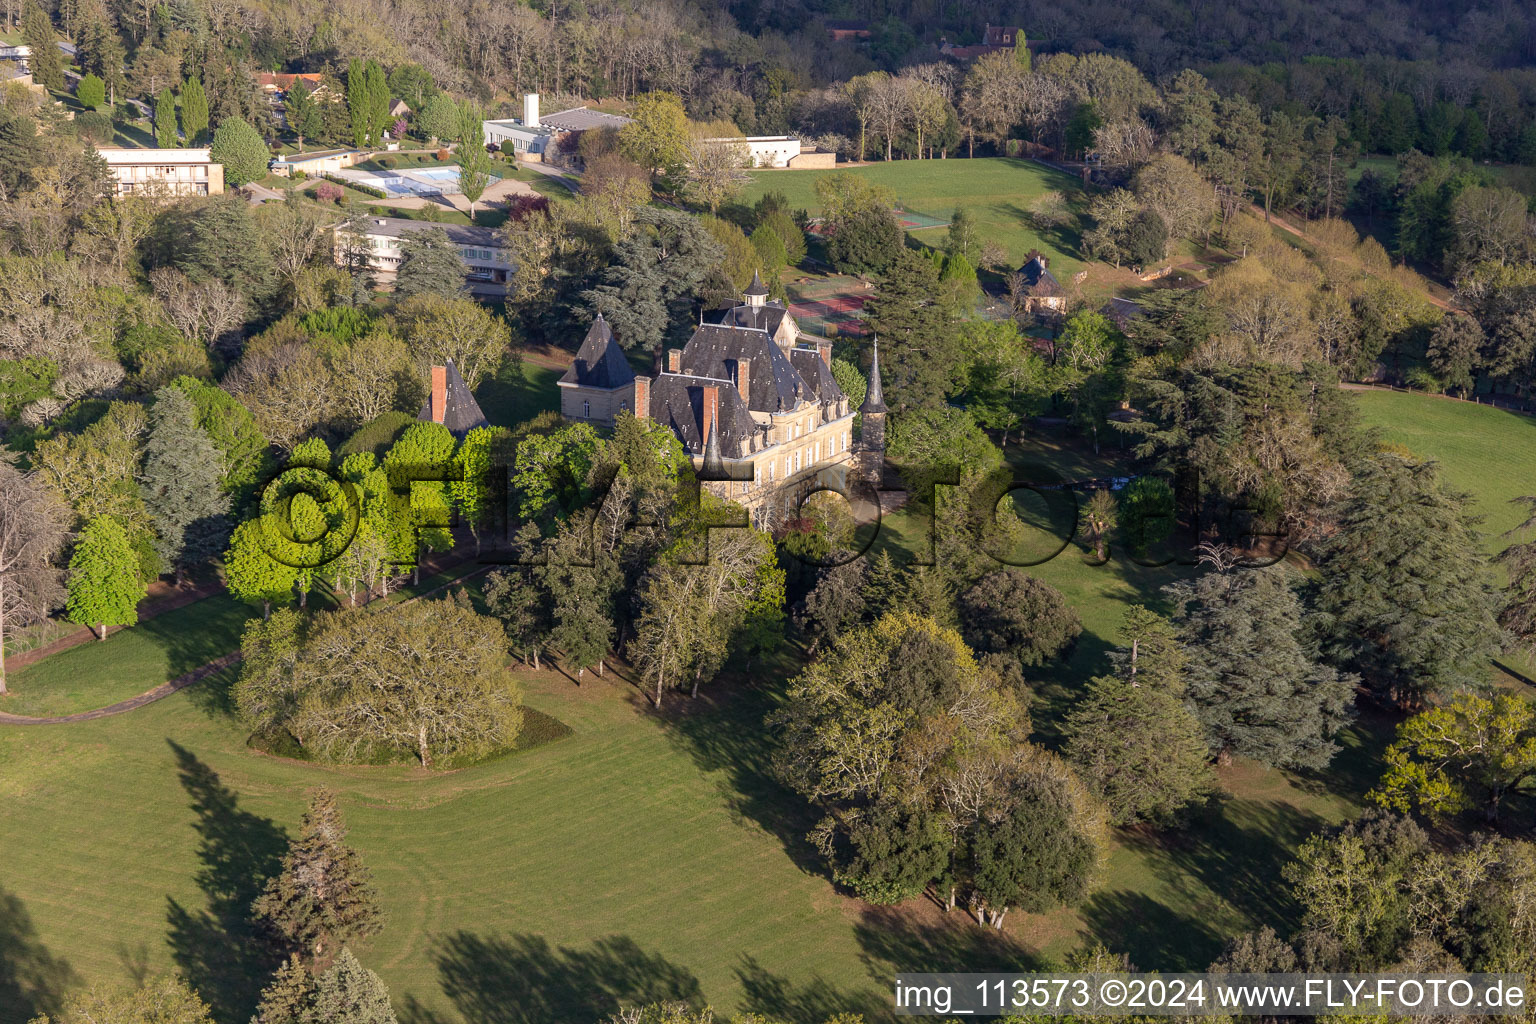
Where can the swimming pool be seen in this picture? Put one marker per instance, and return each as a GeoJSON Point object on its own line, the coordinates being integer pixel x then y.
{"type": "Point", "coordinates": [414, 181]}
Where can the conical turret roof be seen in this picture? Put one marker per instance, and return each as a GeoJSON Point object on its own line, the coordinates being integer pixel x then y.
{"type": "Point", "coordinates": [874, 398]}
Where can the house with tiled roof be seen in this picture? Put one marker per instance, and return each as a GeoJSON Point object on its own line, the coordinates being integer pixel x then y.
{"type": "Point", "coordinates": [754, 404]}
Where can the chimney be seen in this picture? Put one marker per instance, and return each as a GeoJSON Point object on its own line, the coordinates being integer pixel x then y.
{"type": "Point", "coordinates": [674, 360]}
{"type": "Point", "coordinates": [439, 392]}
{"type": "Point", "coordinates": [642, 398]}
{"type": "Point", "coordinates": [531, 110]}
{"type": "Point", "coordinates": [711, 411]}
{"type": "Point", "coordinates": [744, 381]}
{"type": "Point", "coordinates": [824, 349]}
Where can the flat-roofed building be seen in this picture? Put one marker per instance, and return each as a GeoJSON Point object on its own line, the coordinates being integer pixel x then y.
{"type": "Point", "coordinates": [170, 172]}
{"type": "Point", "coordinates": [487, 264]}
{"type": "Point", "coordinates": [534, 136]}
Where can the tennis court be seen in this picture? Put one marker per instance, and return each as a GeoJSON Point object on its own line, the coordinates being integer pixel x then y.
{"type": "Point", "coordinates": [829, 306]}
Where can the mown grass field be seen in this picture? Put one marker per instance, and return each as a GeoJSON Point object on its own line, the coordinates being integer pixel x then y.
{"type": "Point", "coordinates": [641, 857]}
{"type": "Point", "coordinates": [1487, 452]}
{"type": "Point", "coordinates": [997, 191]}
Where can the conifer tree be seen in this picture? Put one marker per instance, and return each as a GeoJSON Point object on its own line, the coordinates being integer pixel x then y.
{"type": "Point", "coordinates": [1255, 688]}
{"type": "Point", "coordinates": [430, 264]}
{"type": "Point", "coordinates": [919, 345]}
{"type": "Point", "coordinates": [104, 584]}
{"type": "Point", "coordinates": [349, 993]}
{"type": "Point", "coordinates": [1140, 748]}
{"type": "Point", "coordinates": [324, 897]}
{"type": "Point", "coordinates": [165, 120]}
{"type": "Point", "coordinates": [45, 62]}
{"type": "Point", "coordinates": [304, 115]}
{"type": "Point", "coordinates": [101, 53]}
{"type": "Point", "coordinates": [180, 483]}
{"type": "Point", "coordinates": [1406, 599]}
{"type": "Point", "coordinates": [194, 111]}
{"type": "Point", "coordinates": [288, 995]}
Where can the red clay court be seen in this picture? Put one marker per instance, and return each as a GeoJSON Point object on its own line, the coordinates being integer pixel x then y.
{"type": "Point", "coordinates": [829, 306]}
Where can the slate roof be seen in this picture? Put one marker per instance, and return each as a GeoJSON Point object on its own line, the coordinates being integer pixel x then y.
{"type": "Point", "coordinates": [815, 373]}
{"type": "Point", "coordinates": [766, 317]}
{"type": "Point", "coordinates": [756, 287]}
{"type": "Point", "coordinates": [874, 397]}
{"type": "Point", "coordinates": [1122, 311]}
{"type": "Point", "coordinates": [1040, 280]}
{"type": "Point", "coordinates": [461, 413]}
{"type": "Point", "coordinates": [677, 399]}
{"type": "Point", "coordinates": [599, 363]}
{"type": "Point", "coordinates": [775, 385]}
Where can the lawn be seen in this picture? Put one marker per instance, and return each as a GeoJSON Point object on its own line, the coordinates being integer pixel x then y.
{"type": "Point", "coordinates": [1487, 452]}
{"type": "Point", "coordinates": [641, 857]}
{"type": "Point", "coordinates": [997, 191]}
{"type": "Point", "coordinates": [128, 662]}
{"type": "Point", "coordinates": [519, 391]}
{"type": "Point", "coordinates": [636, 859]}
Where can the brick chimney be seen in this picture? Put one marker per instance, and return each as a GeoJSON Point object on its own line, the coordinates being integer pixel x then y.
{"type": "Point", "coordinates": [674, 360]}
{"type": "Point", "coordinates": [642, 398]}
{"type": "Point", "coordinates": [824, 349]}
{"type": "Point", "coordinates": [439, 392]}
{"type": "Point", "coordinates": [744, 381]}
{"type": "Point", "coordinates": [711, 411]}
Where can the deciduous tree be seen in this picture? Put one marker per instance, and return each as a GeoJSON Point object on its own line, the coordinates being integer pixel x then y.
{"type": "Point", "coordinates": [32, 526]}
{"type": "Point", "coordinates": [104, 582]}
{"type": "Point", "coordinates": [242, 151]}
{"type": "Point", "coordinates": [1472, 752]}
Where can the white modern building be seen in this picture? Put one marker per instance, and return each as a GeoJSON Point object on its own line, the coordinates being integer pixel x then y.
{"type": "Point", "coordinates": [487, 264]}
{"type": "Point", "coordinates": [175, 172]}
{"type": "Point", "coordinates": [777, 151]}
{"type": "Point", "coordinates": [533, 135]}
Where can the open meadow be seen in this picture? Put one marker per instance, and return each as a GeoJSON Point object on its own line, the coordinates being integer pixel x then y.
{"type": "Point", "coordinates": [626, 856]}
{"type": "Point", "coordinates": [996, 190]}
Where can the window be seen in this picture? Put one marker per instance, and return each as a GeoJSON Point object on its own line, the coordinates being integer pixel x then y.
{"type": "Point", "coordinates": [586, 410]}
{"type": "Point", "coordinates": [624, 405]}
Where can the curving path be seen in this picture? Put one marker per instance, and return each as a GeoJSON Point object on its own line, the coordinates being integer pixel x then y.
{"type": "Point", "coordinates": [181, 682]}
{"type": "Point", "coordinates": [148, 697]}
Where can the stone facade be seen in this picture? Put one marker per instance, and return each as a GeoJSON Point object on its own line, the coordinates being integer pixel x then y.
{"type": "Point", "coordinates": [752, 402]}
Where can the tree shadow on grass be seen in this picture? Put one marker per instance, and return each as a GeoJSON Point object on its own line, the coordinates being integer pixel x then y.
{"type": "Point", "coordinates": [921, 937]}
{"type": "Point", "coordinates": [1154, 935]}
{"type": "Point", "coordinates": [522, 979]}
{"type": "Point", "coordinates": [776, 997]}
{"type": "Point", "coordinates": [1239, 851]}
{"type": "Point", "coordinates": [519, 391]}
{"type": "Point", "coordinates": [725, 732]}
{"type": "Point", "coordinates": [194, 635]}
{"type": "Point", "coordinates": [218, 949]}
{"type": "Point", "coordinates": [32, 980]}
{"type": "Point", "coordinates": [1226, 869]}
